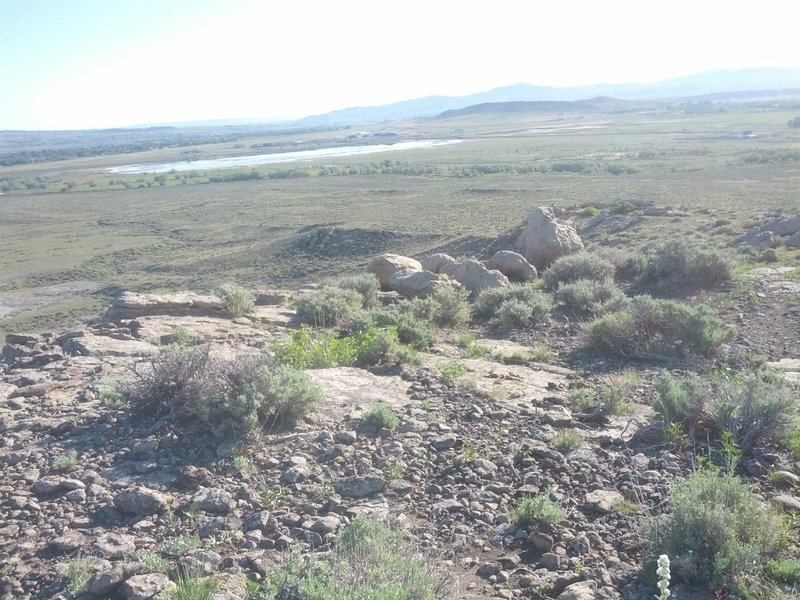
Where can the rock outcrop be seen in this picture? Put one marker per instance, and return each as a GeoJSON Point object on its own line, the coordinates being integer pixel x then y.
{"type": "Point", "coordinates": [386, 265]}
{"type": "Point", "coordinates": [512, 265]}
{"type": "Point", "coordinates": [418, 284]}
{"type": "Point", "coordinates": [474, 276]}
{"type": "Point", "coordinates": [547, 236]}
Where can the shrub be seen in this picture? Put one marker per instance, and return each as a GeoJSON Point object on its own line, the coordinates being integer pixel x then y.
{"type": "Point", "coordinates": [366, 284]}
{"type": "Point", "coordinates": [681, 400]}
{"type": "Point", "coordinates": [584, 297]}
{"type": "Point", "coordinates": [410, 330]}
{"type": "Point", "coordinates": [225, 397]}
{"type": "Point", "coordinates": [372, 561]}
{"type": "Point", "coordinates": [380, 416]}
{"type": "Point", "coordinates": [588, 211]}
{"type": "Point", "coordinates": [539, 508]}
{"type": "Point", "coordinates": [471, 347]}
{"type": "Point", "coordinates": [516, 305]}
{"type": "Point", "coordinates": [453, 370]}
{"type": "Point", "coordinates": [490, 300]}
{"type": "Point", "coordinates": [662, 327]}
{"type": "Point", "coordinates": [152, 562]}
{"type": "Point", "coordinates": [308, 350]}
{"type": "Point", "coordinates": [581, 399]}
{"type": "Point", "coordinates": [616, 392]}
{"type": "Point", "coordinates": [450, 306]}
{"type": "Point", "coordinates": [575, 267]}
{"type": "Point", "coordinates": [674, 263]}
{"type": "Point", "coordinates": [622, 208]}
{"type": "Point", "coordinates": [717, 532]}
{"type": "Point", "coordinates": [329, 306]}
{"type": "Point", "coordinates": [180, 545]}
{"type": "Point", "coordinates": [236, 300]}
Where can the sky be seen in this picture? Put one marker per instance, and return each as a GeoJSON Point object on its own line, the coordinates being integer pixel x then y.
{"type": "Point", "coordinates": [72, 64]}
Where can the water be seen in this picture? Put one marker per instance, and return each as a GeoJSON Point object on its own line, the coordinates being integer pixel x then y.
{"type": "Point", "coordinates": [275, 158]}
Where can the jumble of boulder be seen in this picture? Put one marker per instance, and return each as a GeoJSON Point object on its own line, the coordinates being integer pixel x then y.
{"type": "Point", "coordinates": [774, 231]}
{"type": "Point", "coordinates": [547, 235]}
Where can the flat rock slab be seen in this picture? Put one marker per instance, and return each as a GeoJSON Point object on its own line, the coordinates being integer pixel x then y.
{"type": "Point", "coordinates": [163, 328]}
{"type": "Point", "coordinates": [349, 391]}
{"type": "Point", "coordinates": [92, 344]}
{"type": "Point", "coordinates": [275, 314]}
{"type": "Point", "coordinates": [790, 367]}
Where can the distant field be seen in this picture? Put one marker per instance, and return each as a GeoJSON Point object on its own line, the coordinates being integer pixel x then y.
{"type": "Point", "coordinates": [72, 234]}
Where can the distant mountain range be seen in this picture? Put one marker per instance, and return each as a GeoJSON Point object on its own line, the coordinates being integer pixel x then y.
{"type": "Point", "coordinates": [733, 85]}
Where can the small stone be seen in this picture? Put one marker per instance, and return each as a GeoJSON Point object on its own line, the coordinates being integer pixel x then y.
{"type": "Point", "coordinates": [214, 500]}
{"type": "Point", "coordinates": [101, 583]}
{"type": "Point", "coordinates": [603, 501]}
{"type": "Point", "coordinates": [557, 416]}
{"type": "Point", "coordinates": [550, 561]}
{"type": "Point", "coordinates": [444, 442]}
{"type": "Point", "coordinates": [579, 546]}
{"type": "Point", "coordinates": [541, 541]}
{"type": "Point", "coordinates": [141, 501]}
{"type": "Point", "coordinates": [72, 484]}
{"type": "Point", "coordinates": [49, 484]}
{"type": "Point", "coordinates": [261, 521]}
{"type": "Point", "coordinates": [115, 545]}
{"type": "Point", "coordinates": [327, 524]}
{"type": "Point", "coordinates": [361, 486]}
{"type": "Point", "coordinates": [488, 569]}
{"type": "Point", "coordinates": [68, 542]}
{"type": "Point", "coordinates": [295, 474]}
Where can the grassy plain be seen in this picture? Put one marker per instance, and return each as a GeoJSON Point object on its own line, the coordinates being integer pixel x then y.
{"type": "Point", "coordinates": [72, 233]}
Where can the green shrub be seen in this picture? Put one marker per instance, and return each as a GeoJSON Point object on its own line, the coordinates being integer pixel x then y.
{"type": "Point", "coordinates": [490, 300]}
{"type": "Point", "coordinates": [615, 394]}
{"type": "Point", "coordinates": [233, 396]}
{"type": "Point", "coordinates": [453, 370]}
{"type": "Point", "coordinates": [451, 307]}
{"type": "Point", "coordinates": [514, 306]}
{"type": "Point", "coordinates": [236, 300]}
{"type": "Point", "coordinates": [588, 211]}
{"type": "Point", "coordinates": [717, 532]}
{"type": "Point", "coordinates": [372, 561]}
{"type": "Point", "coordinates": [329, 306]}
{"type": "Point", "coordinates": [471, 347]}
{"type": "Point", "coordinates": [581, 399]}
{"type": "Point", "coordinates": [380, 416]}
{"type": "Point", "coordinates": [584, 297]}
{"type": "Point", "coordinates": [410, 330]}
{"type": "Point", "coordinates": [78, 571]}
{"type": "Point", "coordinates": [152, 562]}
{"type": "Point", "coordinates": [533, 509]}
{"type": "Point", "coordinates": [577, 267]}
{"type": "Point", "coordinates": [366, 284]}
{"type": "Point", "coordinates": [682, 400]}
{"type": "Point", "coordinates": [180, 545]}
{"type": "Point", "coordinates": [622, 208]}
{"type": "Point", "coordinates": [675, 263]}
{"type": "Point", "coordinates": [662, 327]}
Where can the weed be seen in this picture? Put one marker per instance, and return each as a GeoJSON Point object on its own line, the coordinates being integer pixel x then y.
{"type": "Point", "coordinates": [110, 394]}
{"type": "Point", "coordinates": [193, 586]}
{"type": "Point", "coordinates": [616, 392]}
{"type": "Point", "coordinates": [66, 462]}
{"type": "Point", "coordinates": [784, 570]}
{"type": "Point", "coordinates": [568, 440]}
{"type": "Point", "coordinates": [539, 508]}
{"type": "Point", "coordinates": [78, 572]}
{"type": "Point", "coordinates": [626, 507]}
{"type": "Point", "coordinates": [393, 470]}
{"type": "Point", "coordinates": [411, 329]}
{"type": "Point", "coordinates": [181, 336]}
{"type": "Point", "coordinates": [380, 416]}
{"type": "Point", "coordinates": [180, 545]}
{"type": "Point", "coordinates": [469, 454]}
{"type": "Point", "coordinates": [329, 306]}
{"type": "Point", "coordinates": [581, 399]}
{"type": "Point", "coordinates": [152, 562]}
{"type": "Point", "coordinates": [540, 353]}
{"type": "Point", "coordinates": [426, 404]}
{"type": "Point", "coordinates": [242, 464]}
{"type": "Point", "coordinates": [471, 348]}
{"type": "Point", "coordinates": [588, 211]}
{"type": "Point", "coordinates": [452, 371]}
{"type": "Point", "coordinates": [273, 497]}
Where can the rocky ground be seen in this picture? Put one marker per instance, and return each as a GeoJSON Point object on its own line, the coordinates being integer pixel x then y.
{"type": "Point", "coordinates": [84, 481]}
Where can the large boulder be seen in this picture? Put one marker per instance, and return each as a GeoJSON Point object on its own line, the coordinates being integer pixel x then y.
{"type": "Point", "coordinates": [386, 265]}
{"type": "Point", "coordinates": [512, 265]}
{"type": "Point", "coordinates": [435, 262]}
{"type": "Point", "coordinates": [794, 241]}
{"type": "Point", "coordinates": [418, 284]}
{"type": "Point", "coordinates": [474, 276]}
{"type": "Point", "coordinates": [548, 235]}
{"type": "Point", "coordinates": [783, 226]}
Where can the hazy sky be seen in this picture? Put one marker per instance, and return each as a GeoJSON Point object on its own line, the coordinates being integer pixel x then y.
{"type": "Point", "coordinates": [99, 63]}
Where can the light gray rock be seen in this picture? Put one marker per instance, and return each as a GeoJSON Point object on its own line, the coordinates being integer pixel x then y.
{"type": "Point", "coordinates": [582, 590]}
{"type": "Point", "coordinates": [49, 484]}
{"type": "Point", "coordinates": [214, 500]}
{"type": "Point", "coordinates": [557, 416]}
{"type": "Point", "coordinates": [435, 262]}
{"type": "Point", "coordinates": [547, 236]}
{"type": "Point", "coordinates": [787, 503]}
{"type": "Point", "coordinates": [143, 587]}
{"type": "Point", "coordinates": [603, 501]}
{"type": "Point", "coordinates": [418, 284]}
{"type": "Point", "coordinates": [793, 241]}
{"type": "Point", "coordinates": [512, 265]}
{"type": "Point", "coordinates": [140, 501]}
{"type": "Point", "coordinates": [115, 545]}
{"type": "Point", "coordinates": [68, 542]}
{"type": "Point", "coordinates": [361, 486]}
{"type": "Point", "coordinates": [386, 265]}
{"type": "Point", "coordinates": [474, 276]}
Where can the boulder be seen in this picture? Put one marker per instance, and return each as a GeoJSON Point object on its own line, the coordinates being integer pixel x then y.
{"type": "Point", "coordinates": [474, 276]}
{"type": "Point", "coordinates": [794, 241]}
{"type": "Point", "coordinates": [435, 262]}
{"type": "Point", "coordinates": [512, 265]}
{"type": "Point", "coordinates": [547, 236]}
{"type": "Point", "coordinates": [761, 239]}
{"type": "Point", "coordinates": [141, 501]}
{"type": "Point", "coordinates": [418, 284]}
{"type": "Point", "coordinates": [386, 265]}
{"type": "Point", "coordinates": [783, 226]}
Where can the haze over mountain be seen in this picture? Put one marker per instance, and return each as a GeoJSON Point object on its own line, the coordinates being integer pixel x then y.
{"type": "Point", "coordinates": [738, 84]}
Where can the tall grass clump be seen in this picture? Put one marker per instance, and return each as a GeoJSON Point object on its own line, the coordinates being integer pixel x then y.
{"type": "Point", "coordinates": [236, 300]}
{"type": "Point", "coordinates": [533, 509]}
{"type": "Point", "coordinates": [660, 327]}
{"type": "Point", "coordinates": [372, 561]}
{"type": "Point", "coordinates": [577, 267]}
{"type": "Point", "coordinates": [717, 533]}
{"type": "Point", "coordinates": [674, 262]}
{"type": "Point", "coordinates": [516, 305]}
